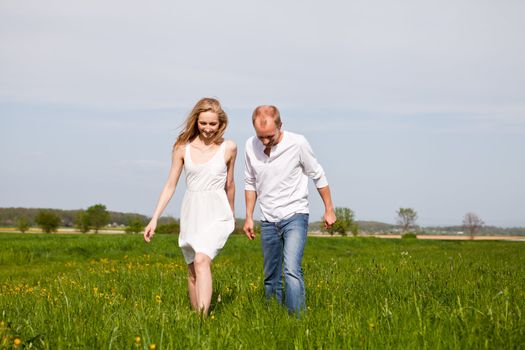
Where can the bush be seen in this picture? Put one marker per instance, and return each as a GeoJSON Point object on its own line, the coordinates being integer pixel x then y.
{"type": "Point", "coordinates": [22, 224]}
{"type": "Point", "coordinates": [345, 223]}
{"type": "Point", "coordinates": [172, 228]}
{"type": "Point", "coordinates": [82, 221]}
{"type": "Point", "coordinates": [409, 235]}
{"type": "Point", "coordinates": [97, 216]}
{"type": "Point", "coordinates": [48, 221]}
{"type": "Point", "coordinates": [135, 226]}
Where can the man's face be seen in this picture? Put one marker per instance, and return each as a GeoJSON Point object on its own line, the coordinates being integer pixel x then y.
{"type": "Point", "coordinates": [267, 132]}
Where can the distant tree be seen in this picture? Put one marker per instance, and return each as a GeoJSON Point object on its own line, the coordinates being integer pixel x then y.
{"type": "Point", "coordinates": [406, 218]}
{"type": "Point", "coordinates": [355, 229]}
{"type": "Point", "coordinates": [98, 216]}
{"type": "Point", "coordinates": [162, 220]}
{"type": "Point", "coordinates": [47, 221]}
{"type": "Point", "coordinates": [472, 223]}
{"type": "Point", "coordinates": [22, 224]}
{"type": "Point", "coordinates": [82, 221]}
{"type": "Point", "coordinates": [135, 226]}
{"type": "Point", "coordinates": [345, 222]}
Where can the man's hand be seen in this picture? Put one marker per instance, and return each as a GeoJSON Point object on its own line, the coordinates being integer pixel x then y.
{"type": "Point", "coordinates": [329, 218]}
{"type": "Point", "coordinates": [248, 229]}
{"type": "Point", "coordinates": [329, 213]}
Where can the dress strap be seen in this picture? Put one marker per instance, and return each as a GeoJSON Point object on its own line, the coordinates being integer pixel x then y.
{"type": "Point", "coordinates": [187, 156]}
{"type": "Point", "coordinates": [223, 150]}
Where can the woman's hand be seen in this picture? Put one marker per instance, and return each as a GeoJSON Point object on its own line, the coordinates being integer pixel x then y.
{"type": "Point", "coordinates": [149, 231]}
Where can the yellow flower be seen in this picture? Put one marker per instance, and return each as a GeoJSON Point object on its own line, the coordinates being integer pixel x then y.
{"type": "Point", "coordinates": [152, 347]}
{"type": "Point", "coordinates": [157, 298]}
{"type": "Point", "coordinates": [137, 339]}
{"type": "Point", "coordinates": [17, 342]}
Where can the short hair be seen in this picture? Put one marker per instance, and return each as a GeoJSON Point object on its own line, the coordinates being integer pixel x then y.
{"type": "Point", "coordinates": [267, 111]}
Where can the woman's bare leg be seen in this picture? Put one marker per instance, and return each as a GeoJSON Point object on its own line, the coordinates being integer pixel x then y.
{"type": "Point", "coordinates": [192, 289]}
{"type": "Point", "coordinates": [202, 265]}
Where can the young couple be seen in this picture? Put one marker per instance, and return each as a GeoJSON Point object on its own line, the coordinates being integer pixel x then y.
{"type": "Point", "coordinates": [277, 167]}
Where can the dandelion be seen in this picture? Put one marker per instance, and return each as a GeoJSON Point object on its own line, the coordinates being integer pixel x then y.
{"type": "Point", "coordinates": [17, 342]}
{"type": "Point", "coordinates": [137, 339]}
{"type": "Point", "coordinates": [152, 347]}
{"type": "Point", "coordinates": [158, 299]}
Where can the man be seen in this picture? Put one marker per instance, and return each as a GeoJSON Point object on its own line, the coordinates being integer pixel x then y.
{"type": "Point", "coordinates": [277, 166]}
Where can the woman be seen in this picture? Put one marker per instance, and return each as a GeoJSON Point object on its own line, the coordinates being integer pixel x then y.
{"type": "Point", "coordinates": [207, 209]}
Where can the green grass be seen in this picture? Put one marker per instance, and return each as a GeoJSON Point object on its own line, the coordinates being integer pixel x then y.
{"type": "Point", "coordinates": [101, 291]}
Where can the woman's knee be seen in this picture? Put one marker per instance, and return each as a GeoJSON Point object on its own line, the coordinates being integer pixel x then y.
{"type": "Point", "coordinates": [202, 261]}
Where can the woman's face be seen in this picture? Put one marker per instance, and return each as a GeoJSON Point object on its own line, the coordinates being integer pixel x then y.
{"type": "Point", "coordinates": [208, 124]}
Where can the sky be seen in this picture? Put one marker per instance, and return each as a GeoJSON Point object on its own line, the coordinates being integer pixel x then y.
{"type": "Point", "coordinates": [405, 103]}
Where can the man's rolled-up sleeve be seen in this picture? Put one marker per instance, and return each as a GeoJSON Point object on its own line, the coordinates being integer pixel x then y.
{"type": "Point", "coordinates": [249, 174]}
{"type": "Point", "coordinates": [311, 166]}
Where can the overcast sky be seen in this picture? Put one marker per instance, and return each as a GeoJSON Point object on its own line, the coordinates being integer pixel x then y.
{"type": "Point", "coordinates": [406, 103]}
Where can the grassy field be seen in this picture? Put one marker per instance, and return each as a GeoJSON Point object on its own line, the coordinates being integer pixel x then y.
{"type": "Point", "coordinates": [104, 291]}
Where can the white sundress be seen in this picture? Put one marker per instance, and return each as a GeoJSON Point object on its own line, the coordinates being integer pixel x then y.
{"type": "Point", "coordinates": [206, 218]}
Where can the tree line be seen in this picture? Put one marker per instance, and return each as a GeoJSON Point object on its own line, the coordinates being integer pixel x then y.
{"type": "Point", "coordinates": [406, 219]}
{"type": "Point", "coordinates": [97, 216]}
{"type": "Point", "coordinates": [93, 219]}
{"type": "Point", "coordinates": [10, 216]}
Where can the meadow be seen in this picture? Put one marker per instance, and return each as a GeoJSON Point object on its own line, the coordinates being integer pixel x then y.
{"type": "Point", "coordinates": [116, 292]}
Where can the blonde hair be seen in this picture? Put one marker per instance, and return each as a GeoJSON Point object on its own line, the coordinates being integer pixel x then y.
{"type": "Point", "coordinates": [267, 111]}
{"type": "Point", "coordinates": [191, 130]}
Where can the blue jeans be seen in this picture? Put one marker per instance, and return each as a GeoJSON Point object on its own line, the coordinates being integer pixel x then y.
{"type": "Point", "coordinates": [284, 241]}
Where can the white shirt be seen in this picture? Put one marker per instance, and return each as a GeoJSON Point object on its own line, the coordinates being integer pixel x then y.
{"type": "Point", "coordinates": [281, 179]}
